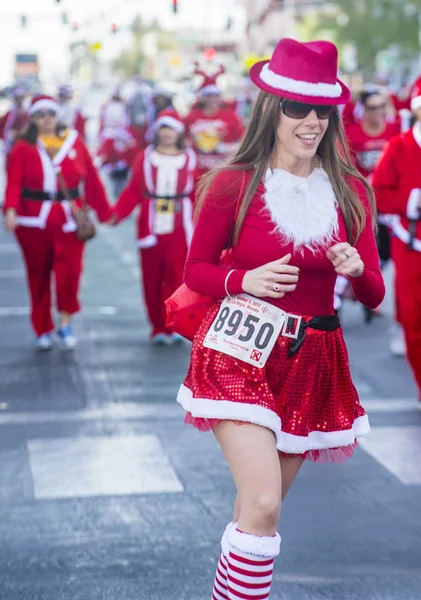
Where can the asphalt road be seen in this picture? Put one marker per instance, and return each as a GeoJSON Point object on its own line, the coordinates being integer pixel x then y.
{"type": "Point", "coordinates": [105, 494]}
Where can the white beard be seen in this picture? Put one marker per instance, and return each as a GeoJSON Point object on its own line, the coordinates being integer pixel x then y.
{"type": "Point", "coordinates": [304, 210]}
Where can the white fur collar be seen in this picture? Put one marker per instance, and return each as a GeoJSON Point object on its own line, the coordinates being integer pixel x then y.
{"type": "Point", "coordinates": [304, 210]}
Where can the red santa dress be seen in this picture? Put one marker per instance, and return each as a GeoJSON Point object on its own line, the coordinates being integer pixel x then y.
{"type": "Point", "coordinates": [397, 181]}
{"type": "Point", "coordinates": [162, 186]}
{"type": "Point", "coordinates": [306, 397]}
{"type": "Point", "coordinates": [46, 229]}
{"type": "Point", "coordinates": [214, 137]}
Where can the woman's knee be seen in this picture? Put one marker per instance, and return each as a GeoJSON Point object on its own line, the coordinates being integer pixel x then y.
{"type": "Point", "coordinates": [263, 508]}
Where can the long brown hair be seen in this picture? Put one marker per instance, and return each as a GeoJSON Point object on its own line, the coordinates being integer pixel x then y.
{"type": "Point", "coordinates": [257, 146]}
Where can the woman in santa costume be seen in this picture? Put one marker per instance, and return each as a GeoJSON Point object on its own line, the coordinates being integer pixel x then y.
{"type": "Point", "coordinates": [162, 185]}
{"type": "Point", "coordinates": [269, 370]}
{"type": "Point", "coordinates": [397, 181]}
{"type": "Point", "coordinates": [214, 130]}
{"type": "Point", "coordinates": [46, 168]}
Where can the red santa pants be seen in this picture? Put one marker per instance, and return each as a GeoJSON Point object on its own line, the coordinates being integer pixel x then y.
{"type": "Point", "coordinates": [162, 273]}
{"type": "Point", "coordinates": [408, 297]}
{"type": "Point", "coordinates": [47, 251]}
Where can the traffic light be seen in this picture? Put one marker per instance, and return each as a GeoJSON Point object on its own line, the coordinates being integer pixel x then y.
{"type": "Point", "coordinates": [113, 27]}
{"type": "Point", "coordinates": [74, 25]}
{"type": "Point", "coordinates": [23, 20]}
{"type": "Point", "coordinates": [175, 6]}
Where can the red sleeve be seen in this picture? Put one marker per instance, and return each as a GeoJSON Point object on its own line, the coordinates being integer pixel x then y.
{"type": "Point", "coordinates": [369, 289]}
{"type": "Point", "coordinates": [3, 121]}
{"type": "Point", "coordinates": [212, 233]}
{"type": "Point", "coordinates": [15, 168]}
{"type": "Point", "coordinates": [94, 189]}
{"type": "Point", "coordinates": [131, 196]}
{"type": "Point", "coordinates": [386, 180]}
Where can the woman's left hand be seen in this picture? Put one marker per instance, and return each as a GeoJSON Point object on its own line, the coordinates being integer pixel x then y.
{"type": "Point", "coordinates": [346, 260]}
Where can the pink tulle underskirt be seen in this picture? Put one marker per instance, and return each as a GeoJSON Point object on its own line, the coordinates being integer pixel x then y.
{"type": "Point", "coordinates": [326, 455]}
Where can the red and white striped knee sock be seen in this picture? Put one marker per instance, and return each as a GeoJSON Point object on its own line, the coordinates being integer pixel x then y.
{"type": "Point", "coordinates": [250, 565]}
{"type": "Point", "coordinates": [220, 587]}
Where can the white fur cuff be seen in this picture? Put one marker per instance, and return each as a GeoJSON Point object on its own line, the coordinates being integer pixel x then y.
{"type": "Point", "coordinates": [412, 208]}
{"type": "Point", "coordinates": [416, 103]}
{"type": "Point", "coordinates": [225, 545]}
{"type": "Point", "coordinates": [263, 546]}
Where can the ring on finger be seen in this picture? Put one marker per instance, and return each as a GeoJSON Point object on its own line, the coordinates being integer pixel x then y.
{"type": "Point", "coordinates": [276, 288]}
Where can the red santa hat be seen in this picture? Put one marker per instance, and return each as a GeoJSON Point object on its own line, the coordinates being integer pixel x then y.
{"type": "Point", "coordinates": [170, 118]}
{"type": "Point", "coordinates": [305, 72]}
{"type": "Point", "coordinates": [209, 84]}
{"type": "Point", "coordinates": [43, 102]}
{"type": "Point", "coordinates": [416, 95]}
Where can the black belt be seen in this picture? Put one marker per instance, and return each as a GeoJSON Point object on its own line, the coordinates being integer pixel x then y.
{"type": "Point", "coordinates": [326, 323]}
{"type": "Point", "coordinates": [41, 196]}
{"type": "Point", "coordinates": [160, 197]}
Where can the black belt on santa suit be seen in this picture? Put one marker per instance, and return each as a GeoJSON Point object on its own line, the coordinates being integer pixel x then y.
{"type": "Point", "coordinates": [324, 323]}
{"type": "Point", "coordinates": [161, 197]}
{"type": "Point", "coordinates": [41, 196]}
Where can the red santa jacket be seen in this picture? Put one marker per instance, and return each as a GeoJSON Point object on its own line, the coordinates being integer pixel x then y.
{"type": "Point", "coordinates": [163, 186]}
{"type": "Point", "coordinates": [365, 148]}
{"type": "Point", "coordinates": [214, 137]}
{"type": "Point", "coordinates": [397, 182]}
{"type": "Point", "coordinates": [31, 168]}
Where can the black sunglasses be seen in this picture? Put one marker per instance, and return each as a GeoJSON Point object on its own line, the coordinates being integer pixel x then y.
{"type": "Point", "coordinates": [299, 110]}
{"type": "Point", "coordinates": [45, 113]}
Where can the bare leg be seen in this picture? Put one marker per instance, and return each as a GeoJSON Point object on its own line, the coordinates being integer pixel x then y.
{"type": "Point", "coordinates": [289, 471]}
{"type": "Point", "coordinates": [253, 460]}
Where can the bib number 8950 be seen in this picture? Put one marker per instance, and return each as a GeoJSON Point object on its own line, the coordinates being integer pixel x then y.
{"type": "Point", "coordinates": [232, 320]}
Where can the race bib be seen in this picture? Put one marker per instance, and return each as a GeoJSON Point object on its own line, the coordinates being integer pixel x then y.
{"type": "Point", "coordinates": [164, 216]}
{"type": "Point", "coordinates": [246, 328]}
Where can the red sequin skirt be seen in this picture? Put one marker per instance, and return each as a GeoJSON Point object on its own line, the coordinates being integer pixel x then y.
{"type": "Point", "coordinates": [308, 400]}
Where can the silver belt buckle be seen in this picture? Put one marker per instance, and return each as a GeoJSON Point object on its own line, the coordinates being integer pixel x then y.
{"type": "Point", "coordinates": [291, 332]}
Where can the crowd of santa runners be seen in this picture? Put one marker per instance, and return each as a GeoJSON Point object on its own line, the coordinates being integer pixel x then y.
{"type": "Point", "coordinates": [148, 157]}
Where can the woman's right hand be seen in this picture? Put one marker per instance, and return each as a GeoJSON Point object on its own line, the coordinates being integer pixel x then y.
{"type": "Point", "coordinates": [264, 281]}
{"type": "Point", "coordinates": [10, 220]}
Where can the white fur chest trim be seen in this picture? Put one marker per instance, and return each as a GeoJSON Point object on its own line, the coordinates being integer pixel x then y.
{"type": "Point", "coordinates": [304, 210]}
{"type": "Point", "coordinates": [167, 168]}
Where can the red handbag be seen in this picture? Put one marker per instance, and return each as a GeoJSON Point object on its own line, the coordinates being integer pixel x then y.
{"type": "Point", "coordinates": [187, 309]}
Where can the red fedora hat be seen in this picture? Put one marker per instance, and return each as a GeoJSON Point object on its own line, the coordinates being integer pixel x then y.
{"type": "Point", "coordinates": [304, 72]}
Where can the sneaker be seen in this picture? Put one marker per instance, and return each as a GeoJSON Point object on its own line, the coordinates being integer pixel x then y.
{"type": "Point", "coordinates": [67, 340]}
{"type": "Point", "coordinates": [397, 345]}
{"type": "Point", "coordinates": [160, 339]}
{"type": "Point", "coordinates": [44, 342]}
{"type": "Point", "coordinates": [176, 338]}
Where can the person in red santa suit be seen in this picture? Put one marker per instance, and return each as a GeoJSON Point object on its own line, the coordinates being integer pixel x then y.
{"type": "Point", "coordinates": [162, 186]}
{"type": "Point", "coordinates": [397, 181]}
{"type": "Point", "coordinates": [48, 168]}
{"type": "Point", "coordinates": [214, 130]}
{"type": "Point", "coordinates": [113, 113]}
{"type": "Point", "coordinates": [70, 114]}
{"type": "Point", "coordinates": [15, 121]}
{"type": "Point", "coordinates": [269, 371]}
{"type": "Point", "coordinates": [117, 153]}
{"type": "Point", "coordinates": [367, 139]}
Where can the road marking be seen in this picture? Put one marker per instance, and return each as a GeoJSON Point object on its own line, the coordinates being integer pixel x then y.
{"type": "Point", "coordinates": [14, 311]}
{"type": "Point", "coordinates": [12, 274]}
{"type": "Point", "coordinates": [398, 450]}
{"type": "Point", "coordinates": [83, 467]}
{"type": "Point", "coordinates": [126, 411]}
{"type": "Point", "coordinates": [391, 405]}
{"type": "Point", "coordinates": [8, 248]}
